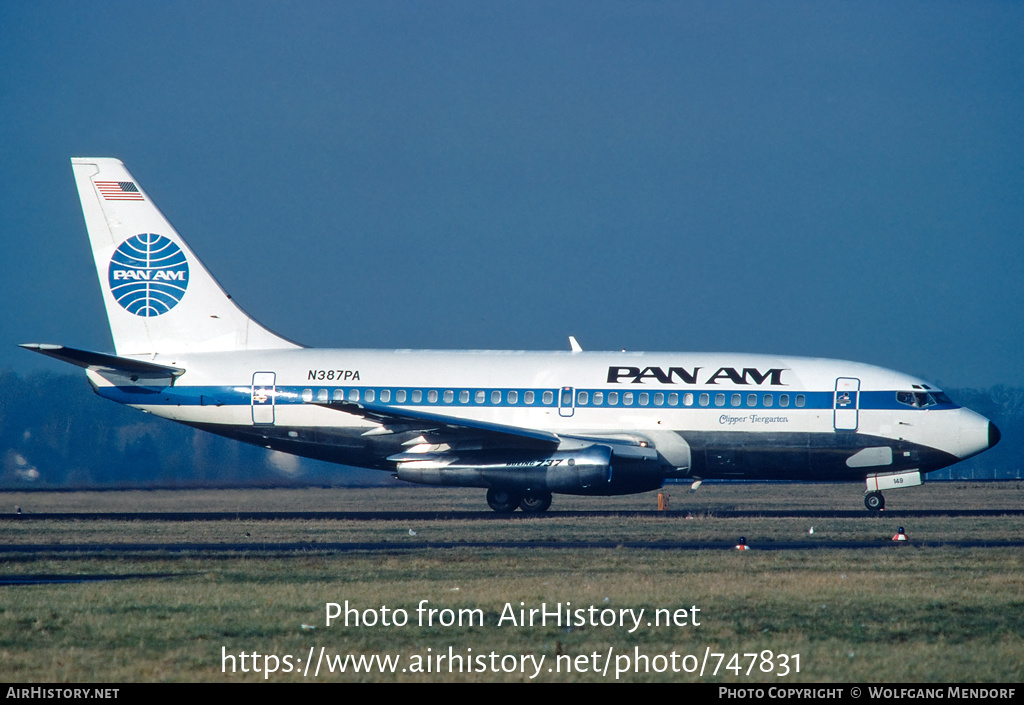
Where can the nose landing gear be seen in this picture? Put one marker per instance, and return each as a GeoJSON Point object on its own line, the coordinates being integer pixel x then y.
{"type": "Point", "coordinates": [874, 501]}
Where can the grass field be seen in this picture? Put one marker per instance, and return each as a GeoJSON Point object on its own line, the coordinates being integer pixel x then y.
{"type": "Point", "coordinates": [896, 613]}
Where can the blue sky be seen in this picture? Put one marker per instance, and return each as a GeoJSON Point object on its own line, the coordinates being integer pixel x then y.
{"type": "Point", "coordinates": [825, 179]}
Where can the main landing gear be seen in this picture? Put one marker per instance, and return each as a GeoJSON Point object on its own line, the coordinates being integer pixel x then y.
{"type": "Point", "coordinates": [535, 502]}
{"type": "Point", "coordinates": [506, 501]}
{"type": "Point", "coordinates": [874, 501]}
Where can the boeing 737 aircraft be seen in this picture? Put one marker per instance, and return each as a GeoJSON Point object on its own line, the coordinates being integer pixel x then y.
{"type": "Point", "coordinates": [522, 425]}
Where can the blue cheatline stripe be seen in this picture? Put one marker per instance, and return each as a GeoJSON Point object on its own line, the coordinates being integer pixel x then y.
{"type": "Point", "coordinates": [241, 395]}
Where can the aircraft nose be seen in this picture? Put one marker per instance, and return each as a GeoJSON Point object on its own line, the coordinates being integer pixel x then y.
{"type": "Point", "coordinates": [975, 433]}
{"type": "Point", "coordinates": [993, 434]}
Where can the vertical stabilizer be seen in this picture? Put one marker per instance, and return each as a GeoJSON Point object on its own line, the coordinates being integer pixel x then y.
{"type": "Point", "coordinates": [159, 297]}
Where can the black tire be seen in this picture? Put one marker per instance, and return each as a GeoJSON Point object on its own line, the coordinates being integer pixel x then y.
{"type": "Point", "coordinates": [874, 501]}
{"type": "Point", "coordinates": [535, 503]}
{"type": "Point", "coordinates": [503, 501]}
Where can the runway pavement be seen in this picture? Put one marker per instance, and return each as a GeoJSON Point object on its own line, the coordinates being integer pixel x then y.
{"type": "Point", "coordinates": [492, 516]}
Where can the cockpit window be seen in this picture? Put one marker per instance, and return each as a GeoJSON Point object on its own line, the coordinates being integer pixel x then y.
{"type": "Point", "coordinates": [922, 400]}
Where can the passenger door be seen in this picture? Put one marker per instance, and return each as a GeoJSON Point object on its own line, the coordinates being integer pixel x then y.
{"type": "Point", "coordinates": [846, 404]}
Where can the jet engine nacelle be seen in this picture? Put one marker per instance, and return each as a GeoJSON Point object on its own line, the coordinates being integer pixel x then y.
{"type": "Point", "coordinates": [579, 471]}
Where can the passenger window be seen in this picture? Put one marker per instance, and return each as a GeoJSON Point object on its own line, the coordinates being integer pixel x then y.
{"type": "Point", "coordinates": [417, 396]}
{"type": "Point", "coordinates": [783, 400]}
{"type": "Point", "coordinates": [767, 399]}
{"type": "Point", "coordinates": [659, 399]}
{"type": "Point", "coordinates": [736, 399]}
{"type": "Point", "coordinates": [307, 395]}
{"type": "Point", "coordinates": [513, 397]}
{"type": "Point", "coordinates": [464, 396]}
{"type": "Point", "coordinates": [528, 397]}
{"type": "Point", "coordinates": [704, 399]}
{"type": "Point", "coordinates": [370, 395]}
{"type": "Point", "coordinates": [598, 398]}
{"type": "Point", "coordinates": [644, 398]}
{"type": "Point", "coordinates": [481, 396]}
{"type": "Point", "coordinates": [719, 400]}
{"type": "Point", "coordinates": [582, 398]}
{"type": "Point", "coordinates": [449, 396]}
{"type": "Point", "coordinates": [400, 396]}
{"type": "Point", "coordinates": [339, 395]}
{"type": "Point", "coordinates": [432, 396]}
{"type": "Point", "coordinates": [495, 397]}
{"type": "Point", "coordinates": [566, 397]}
{"type": "Point", "coordinates": [613, 398]}
{"type": "Point", "coordinates": [673, 399]}
{"type": "Point", "coordinates": [688, 399]}
{"type": "Point", "coordinates": [385, 395]}
{"type": "Point", "coordinates": [751, 400]}
{"type": "Point", "coordinates": [548, 398]}
{"type": "Point", "coordinates": [353, 395]}
{"type": "Point", "coordinates": [627, 398]}
{"type": "Point", "coordinates": [801, 400]}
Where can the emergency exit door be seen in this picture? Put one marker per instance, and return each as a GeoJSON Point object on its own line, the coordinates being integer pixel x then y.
{"type": "Point", "coordinates": [566, 401]}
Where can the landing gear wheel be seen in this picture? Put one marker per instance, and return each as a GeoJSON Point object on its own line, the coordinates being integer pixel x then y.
{"type": "Point", "coordinates": [535, 503]}
{"type": "Point", "coordinates": [874, 501]}
{"type": "Point", "coordinates": [503, 501]}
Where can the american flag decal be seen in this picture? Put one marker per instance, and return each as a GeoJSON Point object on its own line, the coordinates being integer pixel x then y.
{"type": "Point", "coordinates": [119, 191]}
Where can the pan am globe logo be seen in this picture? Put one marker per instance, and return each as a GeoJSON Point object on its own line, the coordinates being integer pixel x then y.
{"type": "Point", "coordinates": [148, 274]}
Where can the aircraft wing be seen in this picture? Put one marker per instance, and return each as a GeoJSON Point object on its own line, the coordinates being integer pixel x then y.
{"type": "Point", "coordinates": [449, 429]}
{"type": "Point", "coordinates": [444, 428]}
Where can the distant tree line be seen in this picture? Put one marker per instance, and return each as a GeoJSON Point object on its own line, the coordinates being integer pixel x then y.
{"type": "Point", "coordinates": [55, 433]}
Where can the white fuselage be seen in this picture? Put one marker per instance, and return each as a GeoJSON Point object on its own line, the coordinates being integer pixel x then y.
{"type": "Point", "coordinates": [713, 401]}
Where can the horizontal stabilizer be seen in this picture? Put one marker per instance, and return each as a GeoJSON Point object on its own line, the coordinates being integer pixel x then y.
{"type": "Point", "coordinates": [102, 362]}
